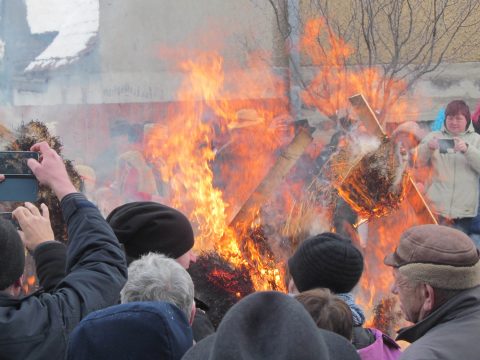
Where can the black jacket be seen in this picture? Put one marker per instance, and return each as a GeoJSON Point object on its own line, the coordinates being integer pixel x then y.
{"type": "Point", "coordinates": [50, 264]}
{"type": "Point", "coordinates": [37, 326]}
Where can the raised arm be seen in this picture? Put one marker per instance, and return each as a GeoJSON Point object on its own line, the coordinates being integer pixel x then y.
{"type": "Point", "coordinates": [95, 265]}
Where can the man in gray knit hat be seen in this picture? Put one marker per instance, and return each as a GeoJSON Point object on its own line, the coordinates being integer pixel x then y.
{"type": "Point", "coordinates": [436, 278]}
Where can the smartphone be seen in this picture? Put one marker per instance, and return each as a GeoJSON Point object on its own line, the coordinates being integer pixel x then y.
{"type": "Point", "coordinates": [445, 144]}
{"type": "Point", "coordinates": [20, 184]}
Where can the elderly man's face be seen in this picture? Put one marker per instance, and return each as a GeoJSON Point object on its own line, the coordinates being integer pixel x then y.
{"type": "Point", "coordinates": [410, 296]}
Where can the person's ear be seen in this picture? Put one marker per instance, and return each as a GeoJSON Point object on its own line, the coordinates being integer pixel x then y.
{"type": "Point", "coordinates": [429, 299]}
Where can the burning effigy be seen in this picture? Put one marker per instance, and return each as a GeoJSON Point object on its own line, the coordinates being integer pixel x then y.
{"type": "Point", "coordinates": [230, 202]}
{"type": "Point", "coordinates": [373, 179]}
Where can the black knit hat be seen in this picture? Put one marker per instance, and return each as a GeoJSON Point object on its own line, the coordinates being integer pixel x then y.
{"type": "Point", "coordinates": [271, 325]}
{"type": "Point", "coordinates": [144, 227]}
{"type": "Point", "coordinates": [12, 255]}
{"type": "Point", "coordinates": [326, 260]}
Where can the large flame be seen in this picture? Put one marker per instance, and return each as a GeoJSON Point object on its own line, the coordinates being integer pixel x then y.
{"type": "Point", "coordinates": [184, 149]}
{"type": "Point", "coordinates": [217, 115]}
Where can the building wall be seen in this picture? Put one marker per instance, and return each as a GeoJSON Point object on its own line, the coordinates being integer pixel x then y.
{"type": "Point", "coordinates": [139, 48]}
{"type": "Point", "coordinates": [140, 45]}
{"type": "Point", "coordinates": [456, 78]}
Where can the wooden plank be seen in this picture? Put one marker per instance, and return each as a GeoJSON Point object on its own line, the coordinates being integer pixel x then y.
{"type": "Point", "coordinates": [274, 177]}
{"type": "Point", "coordinates": [366, 115]}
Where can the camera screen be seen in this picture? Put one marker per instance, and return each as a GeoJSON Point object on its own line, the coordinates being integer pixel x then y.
{"type": "Point", "coordinates": [445, 144]}
{"type": "Point", "coordinates": [15, 162]}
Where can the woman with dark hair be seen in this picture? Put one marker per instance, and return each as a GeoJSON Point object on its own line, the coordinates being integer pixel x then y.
{"type": "Point", "coordinates": [454, 154]}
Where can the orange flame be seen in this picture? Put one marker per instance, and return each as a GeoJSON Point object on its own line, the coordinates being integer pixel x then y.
{"type": "Point", "coordinates": [218, 118]}
{"type": "Point", "coordinates": [186, 156]}
{"type": "Point", "coordinates": [338, 79]}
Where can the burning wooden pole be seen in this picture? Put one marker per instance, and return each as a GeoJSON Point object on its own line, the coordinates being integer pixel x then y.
{"type": "Point", "coordinates": [251, 242]}
{"type": "Point", "coordinates": [275, 176]}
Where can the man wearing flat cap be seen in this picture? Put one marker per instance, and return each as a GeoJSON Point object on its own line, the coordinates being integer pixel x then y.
{"type": "Point", "coordinates": [437, 280]}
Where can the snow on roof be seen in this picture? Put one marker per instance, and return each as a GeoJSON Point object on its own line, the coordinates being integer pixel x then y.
{"type": "Point", "coordinates": [77, 24]}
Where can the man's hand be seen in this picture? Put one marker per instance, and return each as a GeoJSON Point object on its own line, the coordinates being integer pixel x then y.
{"type": "Point", "coordinates": [35, 226]}
{"type": "Point", "coordinates": [50, 170]}
{"type": "Point", "coordinates": [460, 145]}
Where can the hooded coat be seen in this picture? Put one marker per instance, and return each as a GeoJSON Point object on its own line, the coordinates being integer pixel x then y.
{"type": "Point", "coordinates": [271, 325]}
{"type": "Point", "coordinates": [453, 190]}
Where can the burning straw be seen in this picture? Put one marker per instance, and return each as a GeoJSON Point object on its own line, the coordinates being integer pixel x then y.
{"type": "Point", "coordinates": [374, 185]}
{"type": "Point", "coordinates": [218, 284]}
{"type": "Point", "coordinates": [387, 317]}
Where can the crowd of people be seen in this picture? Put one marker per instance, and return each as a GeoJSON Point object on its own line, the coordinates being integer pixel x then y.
{"type": "Point", "coordinates": [121, 289]}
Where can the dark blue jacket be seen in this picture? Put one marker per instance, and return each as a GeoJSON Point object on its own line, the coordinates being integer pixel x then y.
{"type": "Point", "coordinates": [37, 326]}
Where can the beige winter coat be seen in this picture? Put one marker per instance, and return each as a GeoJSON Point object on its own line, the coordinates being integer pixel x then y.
{"type": "Point", "coordinates": [454, 186]}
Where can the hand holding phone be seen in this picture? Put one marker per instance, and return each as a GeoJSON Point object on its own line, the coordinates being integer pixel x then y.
{"type": "Point", "coordinates": [17, 182]}
{"type": "Point", "coordinates": [444, 145]}
{"type": "Point", "coordinates": [50, 170]}
{"type": "Point", "coordinates": [433, 143]}
{"type": "Point", "coordinates": [460, 145]}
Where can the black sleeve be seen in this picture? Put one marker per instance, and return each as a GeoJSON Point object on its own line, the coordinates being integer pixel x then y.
{"type": "Point", "coordinates": [50, 259]}
{"type": "Point", "coordinates": [96, 269]}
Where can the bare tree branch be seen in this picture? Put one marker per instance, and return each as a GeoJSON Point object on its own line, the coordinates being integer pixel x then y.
{"type": "Point", "coordinates": [406, 39]}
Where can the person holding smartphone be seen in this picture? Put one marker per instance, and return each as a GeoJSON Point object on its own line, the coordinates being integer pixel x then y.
{"type": "Point", "coordinates": [37, 326]}
{"type": "Point", "coordinates": [454, 154]}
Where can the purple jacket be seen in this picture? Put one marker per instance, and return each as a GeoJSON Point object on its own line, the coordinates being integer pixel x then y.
{"type": "Point", "coordinates": [384, 348]}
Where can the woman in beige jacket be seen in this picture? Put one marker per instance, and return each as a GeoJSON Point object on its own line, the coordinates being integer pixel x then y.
{"type": "Point", "coordinates": [454, 154]}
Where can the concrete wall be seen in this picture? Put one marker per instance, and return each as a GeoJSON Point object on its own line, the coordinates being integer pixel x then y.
{"type": "Point", "coordinates": [452, 81]}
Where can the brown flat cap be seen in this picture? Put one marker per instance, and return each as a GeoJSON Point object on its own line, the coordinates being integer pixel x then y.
{"type": "Point", "coordinates": [434, 244]}
{"type": "Point", "coordinates": [439, 255]}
